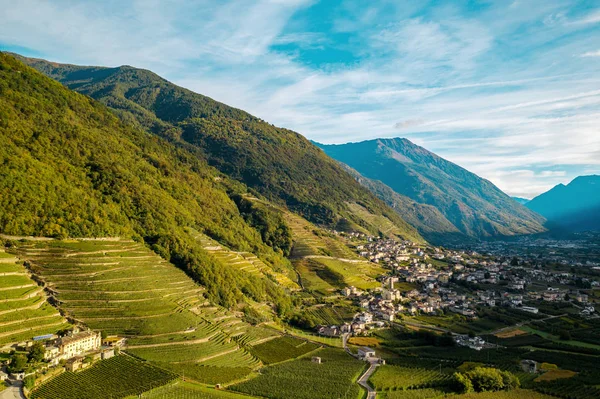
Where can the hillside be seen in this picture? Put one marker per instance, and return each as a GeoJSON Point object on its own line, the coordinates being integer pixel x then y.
{"type": "Point", "coordinates": [574, 207]}
{"type": "Point", "coordinates": [71, 168]}
{"type": "Point", "coordinates": [428, 220]}
{"type": "Point", "coordinates": [473, 205]}
{"type": "Point", "coordinates": [277, 163]}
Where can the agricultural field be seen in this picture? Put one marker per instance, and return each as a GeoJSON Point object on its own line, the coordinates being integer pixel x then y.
{"type": "Point", "coordinates": [115, 378]}
{"type": "Point", "coordinates": [310, 240]}
{"type": "Point", "coordinates": [208, 374]}
{"type": "Point", "coordinates": [185, 390]}
{"type": "Point", "coordinates": [24, 311]}
{"type": "Point", "coordinates": [123, 288]}
{"type": "Point", "coordinates": [281, 349]}
{"type": "Point", "coordinates": [335, 377]}
{"type": "Point", "coordinates": [388, 378]}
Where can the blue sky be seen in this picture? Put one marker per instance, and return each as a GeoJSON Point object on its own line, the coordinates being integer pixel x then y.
{"type": "Point", "coordinates": [508, 89]}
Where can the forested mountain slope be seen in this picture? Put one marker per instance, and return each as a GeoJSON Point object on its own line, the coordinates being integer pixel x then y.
{"type": "Point", "coordinates": [473, 205]}
{"type": "Point", "coordinates": [69, 167]}
{"type": "Point", "coordinates": [279, 164]}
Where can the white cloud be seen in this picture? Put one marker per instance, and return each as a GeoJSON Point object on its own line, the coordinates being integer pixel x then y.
{"type": "Point", "coordinates": [591, 54]}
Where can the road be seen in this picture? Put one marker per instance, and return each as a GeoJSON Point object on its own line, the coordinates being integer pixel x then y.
{"type": "Point", "coordinates": [13, 392]}
{"type": "Point", "coordinates": [363, 380]}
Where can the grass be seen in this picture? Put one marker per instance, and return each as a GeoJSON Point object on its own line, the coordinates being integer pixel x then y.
{"type": "Point", "coordinates": [114, 378]}
{"type": "Point", "coordinates": [364, 341]}
{"type": "Point", "coordinates": [303, 379]}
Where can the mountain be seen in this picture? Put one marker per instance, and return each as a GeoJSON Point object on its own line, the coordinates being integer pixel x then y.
{"type": "Point", "coordinates": [276, 163]}
{"type": "Point", "coordinates": [474, 206]}
{"type": "Point", "coordinates": [430, 222]}
{"type": "Point", "coordinates": [520, 200]}
{"type": "Point", "coordinates": [70, 168]}
{"type": "Point", "coordinates": [574, 207]}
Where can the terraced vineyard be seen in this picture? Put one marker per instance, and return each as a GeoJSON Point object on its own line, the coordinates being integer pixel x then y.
{"type": "Point", "coordinates": [24, 312]}
{"type": "Point", "coordinates": [123, 288]}
{"type": "Point", "coordinates": [245, 262]}
{"type": "Point", "coordinates": [114, 378]}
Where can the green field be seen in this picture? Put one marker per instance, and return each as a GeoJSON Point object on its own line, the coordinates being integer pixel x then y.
{"type": "Point", "coordinates": [436, 394]}
{"type": "Point", "coordinates": [123, 288]}
{"type": "Point", "coordinates": [185, 390]}
{"type": "Point", "coordinates": [24, 312]}
{"type": "Point", "coordinates": [280, 349]}
{"type": "Point", "coordinates": [114, 378]}
{"type": "Point", "coordinates": [303, 379]}
{"type": "Point", "coordinates": [396, 377]}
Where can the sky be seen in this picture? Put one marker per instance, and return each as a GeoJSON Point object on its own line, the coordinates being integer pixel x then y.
{"type": "Point", "coordinates": [507, 89]}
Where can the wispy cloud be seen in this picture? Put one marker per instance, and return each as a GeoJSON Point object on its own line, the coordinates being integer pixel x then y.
{"type": "Point", "coordinates": [510, 93]}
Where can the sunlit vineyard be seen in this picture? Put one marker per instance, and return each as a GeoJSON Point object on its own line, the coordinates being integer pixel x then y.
{"type": "Point", "coordinates": [280, 349]}
{"type": "Point", "coordinates": [396, 377]}
{"type": "Point", "coordinates": [114, 378]}
{"type": "Point", "coordinates": [302, 379]}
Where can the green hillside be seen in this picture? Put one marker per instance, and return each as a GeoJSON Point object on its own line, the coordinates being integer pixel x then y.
{"type": "Point", "coordinates": [474, 206]}
{"type": "Point", "coordinates": [71, 168]}
{"type": "Point", "coordinates": [279, 164]}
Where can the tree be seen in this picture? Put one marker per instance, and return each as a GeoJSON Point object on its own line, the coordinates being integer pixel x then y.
{"type": "Point", "coordinates": [29, 382]}
{"type": "Point", "coordinates": [510, 380]}
{"type": "Point", "coordinates": [17, 364]}
{"type": "Point", "coordinates": [462, 383]}
{"type": "Point", "coordinates": [36, 352]}
{"type": "Point", "coordinates": [485, 379]}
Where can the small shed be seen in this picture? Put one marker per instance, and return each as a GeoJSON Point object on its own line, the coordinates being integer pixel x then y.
{"type": "Point", "coordinates": [316, 359]}
{"type": "Point", "coordinates": [366, 352]}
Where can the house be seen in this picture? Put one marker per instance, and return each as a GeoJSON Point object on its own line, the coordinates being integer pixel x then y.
{"type": "Point", "coordinates": [365, 317]}
{"type": "Point", "coordinates": [529, 366]}
{"type": "Point", "coordinates": [75, 364]}
{"type": "Point", "coordinates": [78, 343]}
{"type": "Point", "coordinates": [3, 376]}
{"type": "Point", "coordinates": [329, 331]}
{"type": "Point", "coordinates": [365, 353]}
{"type": "Point", "coordinates": [107, 353]}
{"type": "Point", "coordinates": [316, 359]}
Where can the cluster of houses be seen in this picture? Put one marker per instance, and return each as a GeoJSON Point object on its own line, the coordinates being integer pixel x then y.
{"type": "Point", "coordinates": [438, 274]}
{"type": "Point", "coordinates": [77, 349]}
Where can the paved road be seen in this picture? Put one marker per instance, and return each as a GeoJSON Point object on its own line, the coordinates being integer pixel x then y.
{"type": "Point", "coordinates": [363, 380]}
{"type": "Point", "coordinates": [13, 392]}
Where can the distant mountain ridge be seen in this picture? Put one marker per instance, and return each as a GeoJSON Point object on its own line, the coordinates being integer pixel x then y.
{"type": "Point", "coordinates": [575, 206]}
{"type": "Point", "coordinates": [474, 206]}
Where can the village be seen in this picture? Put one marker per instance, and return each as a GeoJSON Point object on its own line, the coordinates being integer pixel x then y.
{"type": "Point", "coordinates": [456, 282]}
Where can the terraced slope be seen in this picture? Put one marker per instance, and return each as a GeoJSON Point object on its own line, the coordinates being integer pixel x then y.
{"type": "Point", "coordinates": [24, 311]}
{"type": "Point", "coordinates": [323, 260]}
{"type": "Point", "coordinates": [123, 288]}
{"type": "Point", "coordinates": [245, 262]}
